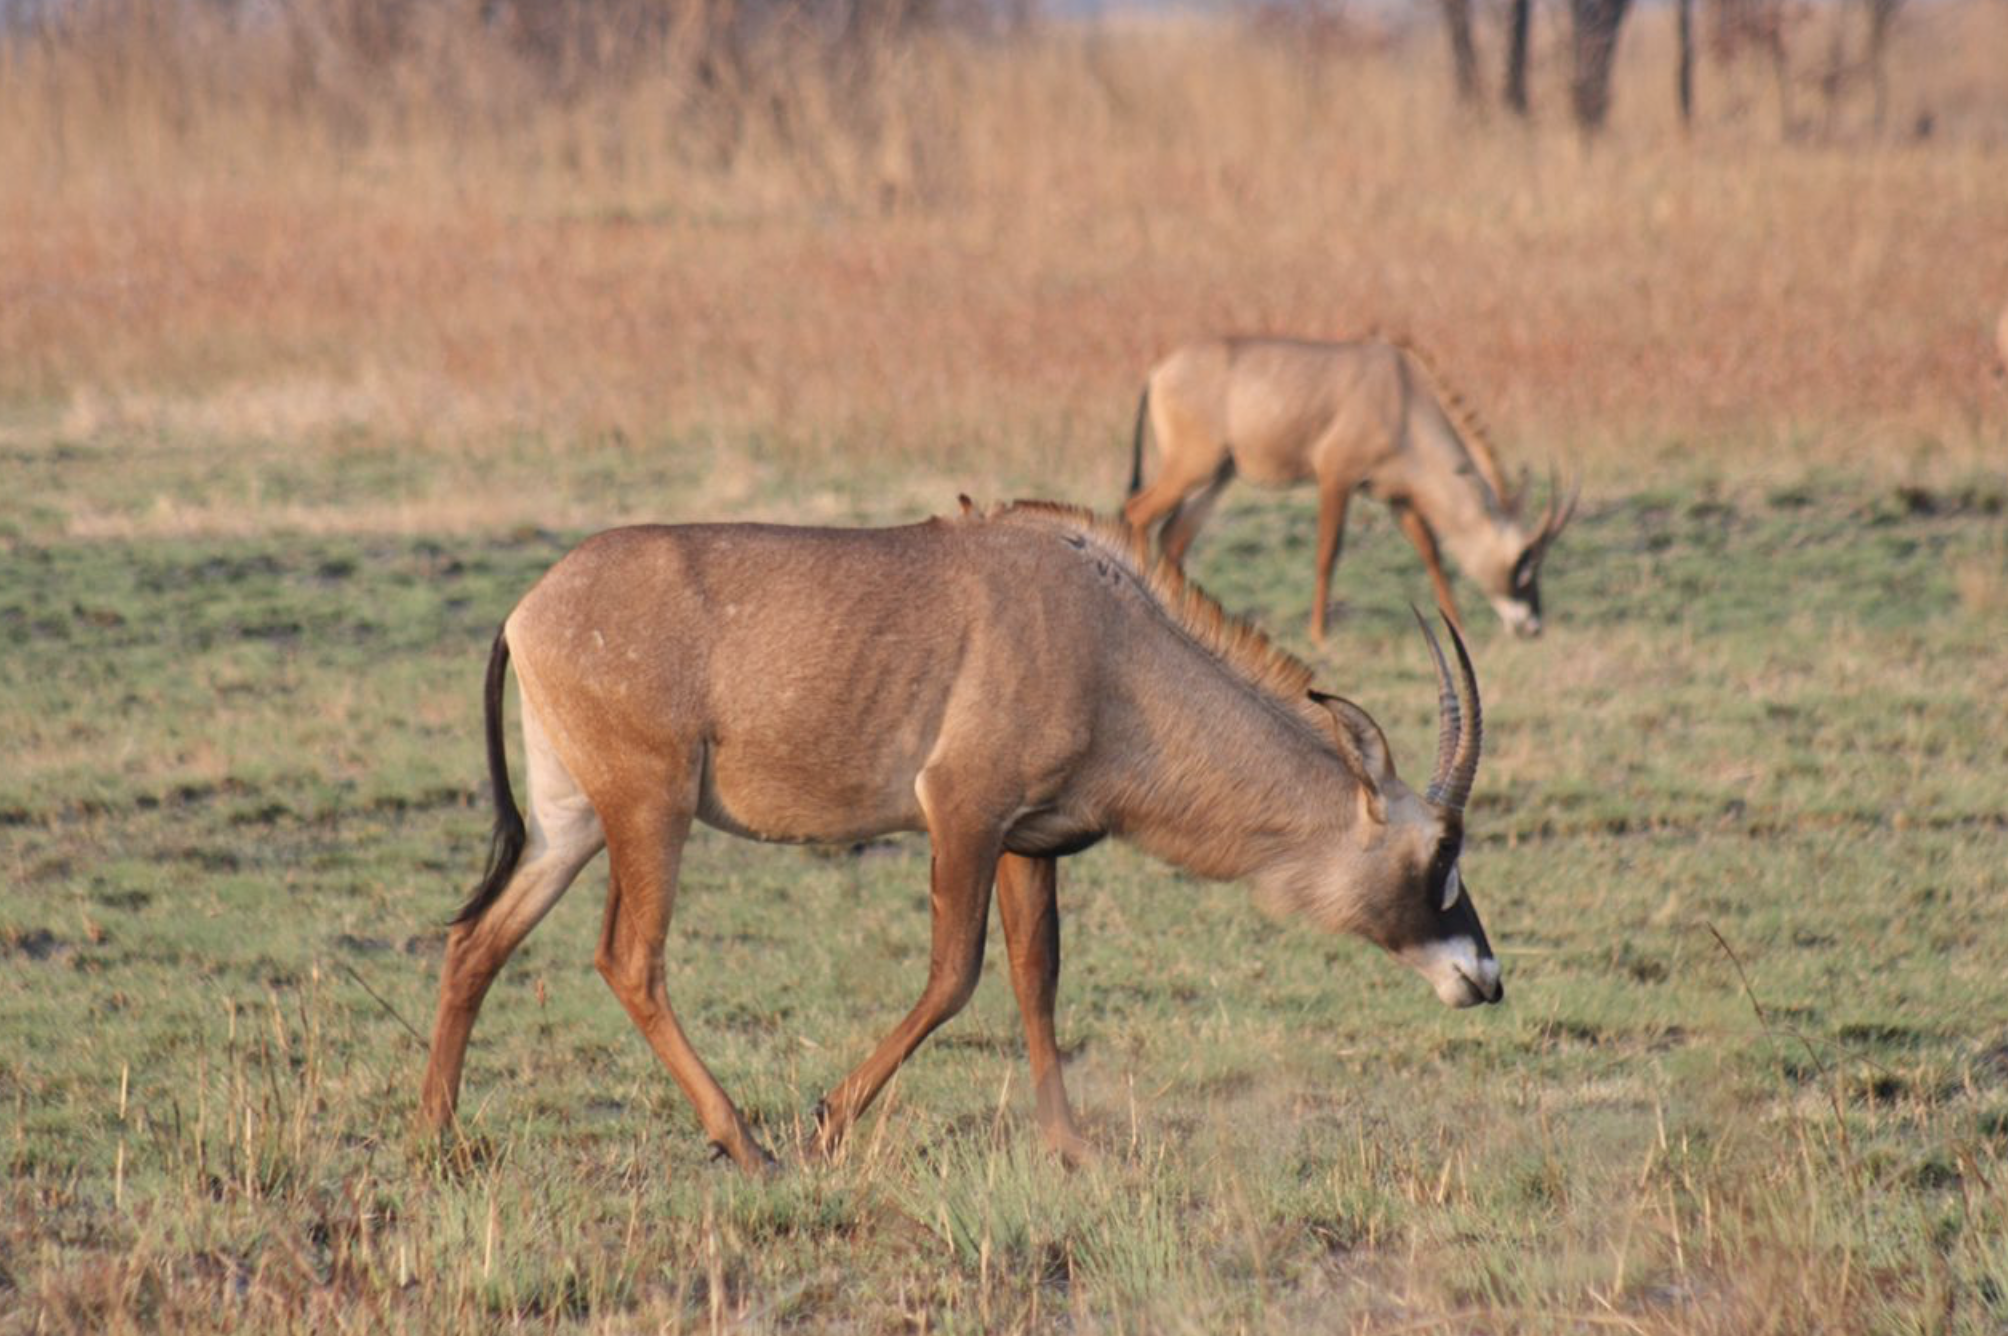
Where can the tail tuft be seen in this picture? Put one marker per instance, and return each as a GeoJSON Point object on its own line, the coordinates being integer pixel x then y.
{"type": "Point", "coordinates": [505, 843]}
{"type": "Point", "coordinates": [1136, 440]}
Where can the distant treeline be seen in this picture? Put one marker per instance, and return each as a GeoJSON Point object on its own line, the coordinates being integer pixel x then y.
{"type": "Point", "coordinates": [705, 81]}
{"type": "Point", "coordinates": [862, 98]}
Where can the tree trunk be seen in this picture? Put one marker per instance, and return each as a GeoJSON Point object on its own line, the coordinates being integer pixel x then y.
{"type": "Point", "coordinates": [1882, 13]}
{"type": "Point", "coordinates": [1595, 41]}
{"type": "Point", "coordinates": [1781, 72]}
{"type": "Point", "coordinates": [1519, 20]}
{"type": "Point", "coordinates": [1684, 77]}
{"type": "Point", "coordinates": [1463, 52]}
{"type": "Point", "coordinates": [1834, 79]}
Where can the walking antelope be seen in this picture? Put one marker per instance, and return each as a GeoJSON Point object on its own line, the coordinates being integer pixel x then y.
{"type": "Point", "coordinates": [1349, 417]}
{"type": "Point", "coordinates": [1018, 684]}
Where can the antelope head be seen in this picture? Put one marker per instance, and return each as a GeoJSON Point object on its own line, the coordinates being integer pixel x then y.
{"type": "Point", "coordinates": [1519, 603]}
{"type": "Point", "coordinates": [1403, 888]}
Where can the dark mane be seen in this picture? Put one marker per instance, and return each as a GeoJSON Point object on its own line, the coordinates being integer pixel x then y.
{"type": "Point", "coordinates": [1471, 429]}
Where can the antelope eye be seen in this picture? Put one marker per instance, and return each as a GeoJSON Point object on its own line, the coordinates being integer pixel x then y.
{"type": "Point", "coordinates": [1453, 886]}
{"type": "Point", "coordinates": [1444, 883]}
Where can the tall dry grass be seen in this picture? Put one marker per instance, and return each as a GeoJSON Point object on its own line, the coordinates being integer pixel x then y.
{"type": "Point", "coordinates": [969, 251]}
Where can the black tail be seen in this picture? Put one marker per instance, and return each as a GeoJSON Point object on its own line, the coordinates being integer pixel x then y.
{"type": "Point", "coordinates": [505, 845]}
{"type": "Point", "coordinates": [1136, 440]}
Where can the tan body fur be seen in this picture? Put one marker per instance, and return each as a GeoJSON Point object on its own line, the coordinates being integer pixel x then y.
{"type": "Point", "coordinates": [1016, 685]}
{"type": "Point", "coordinates": [1345, 418]}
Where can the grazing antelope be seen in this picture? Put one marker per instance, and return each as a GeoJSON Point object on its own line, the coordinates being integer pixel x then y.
{"type": "Point", "coordinates": [1018, 684]}
{"type": "Point", "coordinates": [1349, 417]}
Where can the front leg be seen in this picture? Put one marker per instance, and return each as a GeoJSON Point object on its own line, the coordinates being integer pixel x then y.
{"type": "Point", "coordinates": [1419, 534]}
{"type": "Point", "coordinates": [965, 866]}
{"type": "Point", "coordinates": [1028, 904]}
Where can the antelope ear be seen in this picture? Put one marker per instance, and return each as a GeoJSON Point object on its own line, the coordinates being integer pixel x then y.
{"type": "Point", "coordinates": [1363, 747]}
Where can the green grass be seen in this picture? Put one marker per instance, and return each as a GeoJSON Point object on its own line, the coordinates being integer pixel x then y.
{"type": "Point", "coordinates": [241, 794]}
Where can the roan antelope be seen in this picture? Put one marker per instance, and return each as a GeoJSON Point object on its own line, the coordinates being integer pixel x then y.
{"type": "Point", "coordinates": [1368, 417]}
{"type": "Point", "coordinates": [1018, 684]}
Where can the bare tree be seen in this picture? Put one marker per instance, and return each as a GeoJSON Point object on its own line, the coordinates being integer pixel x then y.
{"type": "Point", "coordinates": [1519, 18]}
{"type": "Point", "coordinates": [1463, 51]}
{"type": "Point", "coordinates": [1882, 15]}
{"type": "Point", "coordinates": [1595, 46]}
{"type": "Point", "coordinates": [1760, 25]}
{"type": "Point", "coordinates": [1846, 65]}
{"type": "Point", "coordinates": [1684, 76]}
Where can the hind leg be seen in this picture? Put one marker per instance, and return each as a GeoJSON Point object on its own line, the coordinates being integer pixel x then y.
{"type": "Point", "coordinates": [1154, 502]}
{"type": "Point", "coordinates": [1191, 462]}
{"type": "Point", "coordinates": [645, 846]}
{"type": "Point", "coordinates": [1183, 526]}
{"type": "Point", "coordinates": [564, 833]}
{"type": "Point", "coordinates": [1331, 535]}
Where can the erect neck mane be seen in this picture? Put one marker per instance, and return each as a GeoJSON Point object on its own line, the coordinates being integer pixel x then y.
{"type": "Point", "coordinates": [1241, 648]}
{"type": "Point", "coordinates": [1470, 429]}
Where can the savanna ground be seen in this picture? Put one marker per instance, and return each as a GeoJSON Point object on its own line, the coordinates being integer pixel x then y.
{"type": "Point", "coordinates": [290, 415]}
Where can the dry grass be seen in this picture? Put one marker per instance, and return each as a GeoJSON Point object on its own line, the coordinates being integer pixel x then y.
{"type": "Point", "coordinates": [243, 792]}
{"type": "Point", "coordinates": [972, 285]}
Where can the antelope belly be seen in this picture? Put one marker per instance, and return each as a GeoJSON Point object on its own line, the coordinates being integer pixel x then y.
{"type": "Point", "coordinates": [1051, 834]}
{"type": "Point", "coordinates": [804, 796]}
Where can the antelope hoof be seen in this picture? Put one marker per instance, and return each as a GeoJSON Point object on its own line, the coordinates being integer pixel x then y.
{"type": "Point", "coordinates": [750, 1157]}
{"type": "Point", "coordinates": [452, 1151]}
{"type": "Point", "coordinates": [1072, 1148]}
{"type": "Point", "coordinates": [822, 1139]}
{"type": "Point", "coordinates": [1323, 618]}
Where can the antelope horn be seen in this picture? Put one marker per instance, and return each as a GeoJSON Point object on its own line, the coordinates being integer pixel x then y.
{"type": "Point", "coordinates": [1547, 529]}
{"type": "Point", "coordinates": [1556, 517]}
{"type": "Point", "coordinates": [1471, 741]}
{"type": "Point", "coordinates": [1460, 738]}
{"type": "Point", "coordinates": [1569, 510]}
{"type": "Point", "coordinates": [1449, 716]}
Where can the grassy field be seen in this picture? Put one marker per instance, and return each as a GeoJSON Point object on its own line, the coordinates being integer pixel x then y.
{"type": "Point", "coordinates": [302, 384]}
{"type": "Point", "coordinates": [242, 795]}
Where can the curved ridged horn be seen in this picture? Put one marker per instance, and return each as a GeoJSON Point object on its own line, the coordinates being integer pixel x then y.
{"type": "Point", "coordinates": [1558, 513]}
{"type": "Point", "coordinates": [1460, 737]}
{"type": "Point", "coordinates": [1449, 716]}
{"type": "Point", "coordinates": [1471, 741]}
